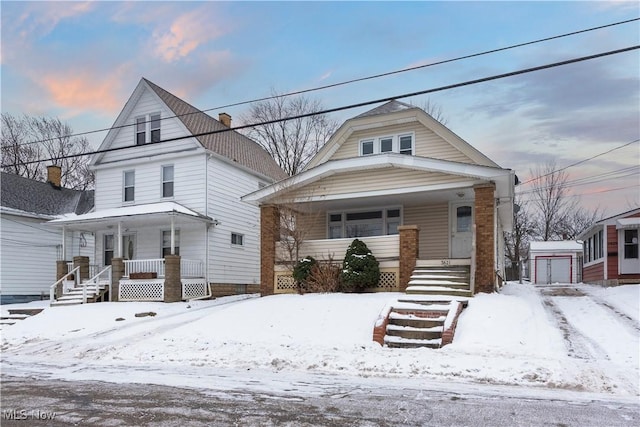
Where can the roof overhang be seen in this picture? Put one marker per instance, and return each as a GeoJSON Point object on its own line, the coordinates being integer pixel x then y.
{"type": "Point", "coordinates": [625, 223]}
{"type": "Point", "coordinates": [147, 214]}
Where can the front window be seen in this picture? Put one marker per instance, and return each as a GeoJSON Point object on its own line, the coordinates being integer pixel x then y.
{"type": "Point", "coordinates": [167, 181]}
{"type": "Point", "coordinates": [148, 128]}
{"type": "Point", "coordinates": [141, 131]}
{"type": "Point", "coordinates": [108, 249]}
{"type": "Point", "coordinates": [368, 223]}
{"type": "Point", "coordinates": [155, 128]}
{"type": "Point", "coordinates": [367, 147]}
{"type": "Point", "coordinates": [129, 186]}
{"type": "Point", "coordinates": [386, 145]}
{"type": "Point", "coordinates": [166, 243]}
{"type": "Point", "coordinates": [406, 144]}
{"type": "Point", "coordinates": [402, 144]}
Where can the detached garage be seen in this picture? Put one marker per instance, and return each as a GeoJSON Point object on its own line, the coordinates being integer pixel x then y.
{"type": "Point", "coordinates": [555, 262]}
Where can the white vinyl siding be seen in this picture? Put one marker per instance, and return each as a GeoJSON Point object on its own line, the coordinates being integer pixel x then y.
{"type": "Point", "coordinates": [226, 185]}
{"type": "Point", "coordinates": [426, 143]}
{"type": "Point", "coordinates": [188, 185]}
{"type": "Point", "coordinates": [29, 251]}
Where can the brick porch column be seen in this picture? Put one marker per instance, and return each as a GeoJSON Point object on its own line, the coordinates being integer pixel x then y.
{"type": "Point", "coordinates": [117, 272]}
{"type": "Point", "coordinates": [269, 235]}
{"type": "Point", "coordinates": [83, 263]}
{"type": "Point", "coordinates": [172, 283]}
{"type": "Point", "coordinates": [409, 253]}
{"type": "Point", "coordinates": [484, 219]}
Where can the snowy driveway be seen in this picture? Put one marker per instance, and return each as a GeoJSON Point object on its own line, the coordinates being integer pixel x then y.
{"type": "Point", "coordinates": [602, 337]}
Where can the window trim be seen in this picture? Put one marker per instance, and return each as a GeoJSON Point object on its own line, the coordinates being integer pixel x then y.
{"type": "Point", "coordinates": [124, 186]}
{"type": "Point", "coordinates": [242, 240]}
{"type": "Point", "coordinates": [594, 248]}
{"type": "Point", "coordinates": [395, 144]}
{"type": "Point", "coordinates": [147, 121]}
{"type": "Point", "coordinates": [343, 219]}
{"type": "Point", "coordinates": [163, 181]}
{"type": "Point", "coordinates": [162, 247]}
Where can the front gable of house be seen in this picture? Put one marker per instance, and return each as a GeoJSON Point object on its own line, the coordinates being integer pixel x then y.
{"type": "Point", "coordinates": [144, 122]}
{"type": "Point", "coordinates": [396, 127]}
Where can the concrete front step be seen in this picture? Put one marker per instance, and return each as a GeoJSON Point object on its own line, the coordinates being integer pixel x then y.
{"type": "Point", "coordinates": [60, 303]}
{"type": "Point", "coordinates": [14, 317]}
{"type": "Point", "coordinates": [444, 283]}
{"type": "Point", "coordinates": [410, 332]}
{"type": "Point", "coordinates": [28, 311]}
{"type": "Point", "coordinates": [399, 342]}
{"type": "Point", "coordinates": [432, 300]}
{"type": "Point", "coordinates": [438, 290]}
{"type": "Point", "coordinates": [412, 320]}
{"type": "Point", "coordinates": [449, 277]}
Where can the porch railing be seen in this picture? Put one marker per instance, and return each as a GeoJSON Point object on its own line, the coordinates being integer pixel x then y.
{"type": "Point", "coordinates": [188, 267]}
{"type": "Point", "coordinates": [102, 277]}
{"type": "Point", "coordinates": [75, 273]}
{"type": "Point", "coordinates": [382, 247]}
{"type": "Point", "coordinates": [93, 268]}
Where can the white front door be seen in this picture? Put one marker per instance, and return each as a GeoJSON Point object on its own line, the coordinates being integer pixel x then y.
{"type": "Point", "coordinates": [628, 251]}
{"type": "Point", "coordinates": [461, 216]}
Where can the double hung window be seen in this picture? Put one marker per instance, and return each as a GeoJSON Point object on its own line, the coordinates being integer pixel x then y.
{"type": "Point", "coordinates": [148, 128]}
{"type": "Point", "coordinates": [167, 181]}
{"type": "Point", "coordinates": [128, 190]}
{"type": "Point", "coordinates": [401, 143]}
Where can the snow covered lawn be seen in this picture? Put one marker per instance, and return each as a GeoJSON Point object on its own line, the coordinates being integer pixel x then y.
{"type": "Point", "coordinates": [506, 338]}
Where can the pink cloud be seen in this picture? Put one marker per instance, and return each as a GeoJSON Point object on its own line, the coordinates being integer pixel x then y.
{"type": "Point", "coordinates": [185, 34]}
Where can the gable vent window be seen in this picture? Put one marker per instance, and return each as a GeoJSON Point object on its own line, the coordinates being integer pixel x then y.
{"type": "Point", "coordinates": [148, 129]}
{"type": "Point", "coordinates": [402, 144]}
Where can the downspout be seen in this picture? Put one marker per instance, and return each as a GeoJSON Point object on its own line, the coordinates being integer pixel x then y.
{"type": "Point", "coordinates": [206, 213]}
{"type": "Point", "coordinates": [605, 249]}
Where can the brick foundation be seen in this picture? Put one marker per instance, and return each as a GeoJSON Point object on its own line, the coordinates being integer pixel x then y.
{"type": "Point", "coordinates": [484, 220]}
{"type": "Point", "coordinates": [117, 271]}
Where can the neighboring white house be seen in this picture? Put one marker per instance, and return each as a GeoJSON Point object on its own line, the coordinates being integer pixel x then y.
{"type": "Point", "coordinates": [168, 181]}
{"type": "Point", "coordinates": [555, 262]}
{"type": "Point", "coordinates": [29, 249]}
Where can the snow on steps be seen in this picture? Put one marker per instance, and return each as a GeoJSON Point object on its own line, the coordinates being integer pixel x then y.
{"type": "Point", "coordinates": [16, 315]}
{"type": "Point", "coordinates": [74, 296]}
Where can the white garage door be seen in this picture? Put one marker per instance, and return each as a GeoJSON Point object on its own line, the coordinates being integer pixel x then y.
{"type": "Point", "coordinates": [553, 270]}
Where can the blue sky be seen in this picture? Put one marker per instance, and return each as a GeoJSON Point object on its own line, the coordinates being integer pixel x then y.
{"type": "Point", "coordinates": [80, 61]}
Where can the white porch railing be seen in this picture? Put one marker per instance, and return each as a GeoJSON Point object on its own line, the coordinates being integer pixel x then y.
{"type": "Point", "coordinates": [75, 272]}
{"type": "Point", "coordinates": [101, 278]}
{"type": "Point", "coordinates": [188, 267]}
{"type": "Point", "coordinates": [382, 247]}
{"type": "Point", "coordinates": [93, 268]}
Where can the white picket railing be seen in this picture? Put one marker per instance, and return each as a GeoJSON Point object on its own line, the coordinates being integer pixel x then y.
{"type": "Point", "coordinates": [66, 278]}
{"type": "Point", "coordinates": [93, 268]}
{"type": "Point", "coordinates": [188, 267]}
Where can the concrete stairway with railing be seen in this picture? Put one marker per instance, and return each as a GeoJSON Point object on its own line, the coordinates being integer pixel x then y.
{"type": "Point", "coordinates": [427, 314]}
{"type": "Point", "coordinates": [75, 295]}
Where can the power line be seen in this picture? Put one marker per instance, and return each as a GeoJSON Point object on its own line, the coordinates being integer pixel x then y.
{"type": "Point", "coordinates": [607, 176]}
{"type": "Point", "coordinates": [608, 190]}
{"type": "Point", "coordinates": [351, 106]}
{"type": "Point", "coordinates": [579, 162]}
{"type": "Point", "coordinates": [360, 79]}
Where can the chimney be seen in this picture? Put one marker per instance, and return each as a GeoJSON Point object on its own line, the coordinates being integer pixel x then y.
{"type": "Point", "coordinates": [225, 119]}
{"type": "Point", "coordinates": [54, 175]}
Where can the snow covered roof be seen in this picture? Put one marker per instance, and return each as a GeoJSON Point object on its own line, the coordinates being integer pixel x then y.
{"type": "Point", "coordinates": [163, 208]}
{"type": "Point", "coordinates": [565, 245]}
{"type": "Point", "coordinates": [19, 194]}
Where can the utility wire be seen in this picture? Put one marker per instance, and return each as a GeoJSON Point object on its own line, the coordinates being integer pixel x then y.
{"type": "Point", "coordinates": [579, 162]}
{"type": "Point", "coordinates": [361, 104]}
{"type": "Point", "coordinates": [608, 190]}
{"type": "Point", "coordinates": [585, 181]}
{"type": "Point", "coordinates": [360, 79]}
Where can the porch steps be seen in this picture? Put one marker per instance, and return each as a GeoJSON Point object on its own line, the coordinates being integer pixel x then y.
{"type": "Point", "coordinates": [427, 314]}
{"type": "Point", "coordinates": [73, 296]}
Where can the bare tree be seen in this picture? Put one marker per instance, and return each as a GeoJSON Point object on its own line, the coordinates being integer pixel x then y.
{"type": "Point", "coordinates": [293, 142]}
{"type": "Point", "coordinates": [27, 141]}
{"type": "Point", "coordinates": [435, 111]}
{"type": "Point", "coordinates": [559, 215]}
{"type": "Point", "coordinates": [517, 241]}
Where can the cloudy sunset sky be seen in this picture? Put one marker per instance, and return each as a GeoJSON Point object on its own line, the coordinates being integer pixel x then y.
{"type": "Point", "coordinates": [80, 61]}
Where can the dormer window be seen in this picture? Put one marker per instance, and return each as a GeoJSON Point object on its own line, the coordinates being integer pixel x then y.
{"type": "Point", "coordinates": [402, 143]}
{"type": "Point", "coordinates": [148, 129]}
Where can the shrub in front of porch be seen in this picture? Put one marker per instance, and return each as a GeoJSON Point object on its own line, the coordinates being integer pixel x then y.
{"type": "Point", "coordinates": [360, 269]}
{"type": "Point", "coordinates": [302, 271]}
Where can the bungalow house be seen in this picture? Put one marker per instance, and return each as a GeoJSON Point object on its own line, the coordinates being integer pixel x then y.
{"type": "Point", "coordinates": [416, 193]}
{"type": "Point", "coordinates": [168, 220]}
{"type": "Point", "coordinates": [28, 248]}
{"type": "Point", "coordinates": [611, 250]}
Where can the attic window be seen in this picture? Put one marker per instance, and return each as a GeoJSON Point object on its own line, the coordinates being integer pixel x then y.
{"type": "Point", "coordinates": [148, 129]}
{"type": "Point", "coordinates": [402, 144]}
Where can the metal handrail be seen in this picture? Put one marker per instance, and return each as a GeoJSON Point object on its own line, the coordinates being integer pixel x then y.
{"type": "Point", "coordinates": [52, 290]}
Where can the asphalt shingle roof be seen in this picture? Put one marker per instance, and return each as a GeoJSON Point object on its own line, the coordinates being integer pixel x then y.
{"type": "Point", "coordinates": [389, 107]}
{"type": "Point", "coordinates": [28, 195]}
{"type": "Point", "coordinates": [231, 144]}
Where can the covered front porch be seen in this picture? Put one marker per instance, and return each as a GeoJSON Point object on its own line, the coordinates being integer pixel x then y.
{"type": "Point", "coordinates": [154, 252]}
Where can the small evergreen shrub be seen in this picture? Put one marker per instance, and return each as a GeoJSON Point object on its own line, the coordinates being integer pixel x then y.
{"type": "Point", "coordinates": [302, 271]}
{"type": "Point", "coordinates": [360, 268]}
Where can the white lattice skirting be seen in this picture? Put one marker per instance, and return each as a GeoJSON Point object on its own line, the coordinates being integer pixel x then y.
{"type": "Point", "coordinates": [193, 288]}
{"type": "Point", "coordinates": [285, 283]}
{"type": "Point", "coordinates": [141, 290]}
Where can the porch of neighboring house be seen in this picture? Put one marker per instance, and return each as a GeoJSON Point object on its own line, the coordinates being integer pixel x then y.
{"type": "Point", "coordinates": [432, 243]}
{"type": "Point", "coordinates": [127, 269]}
